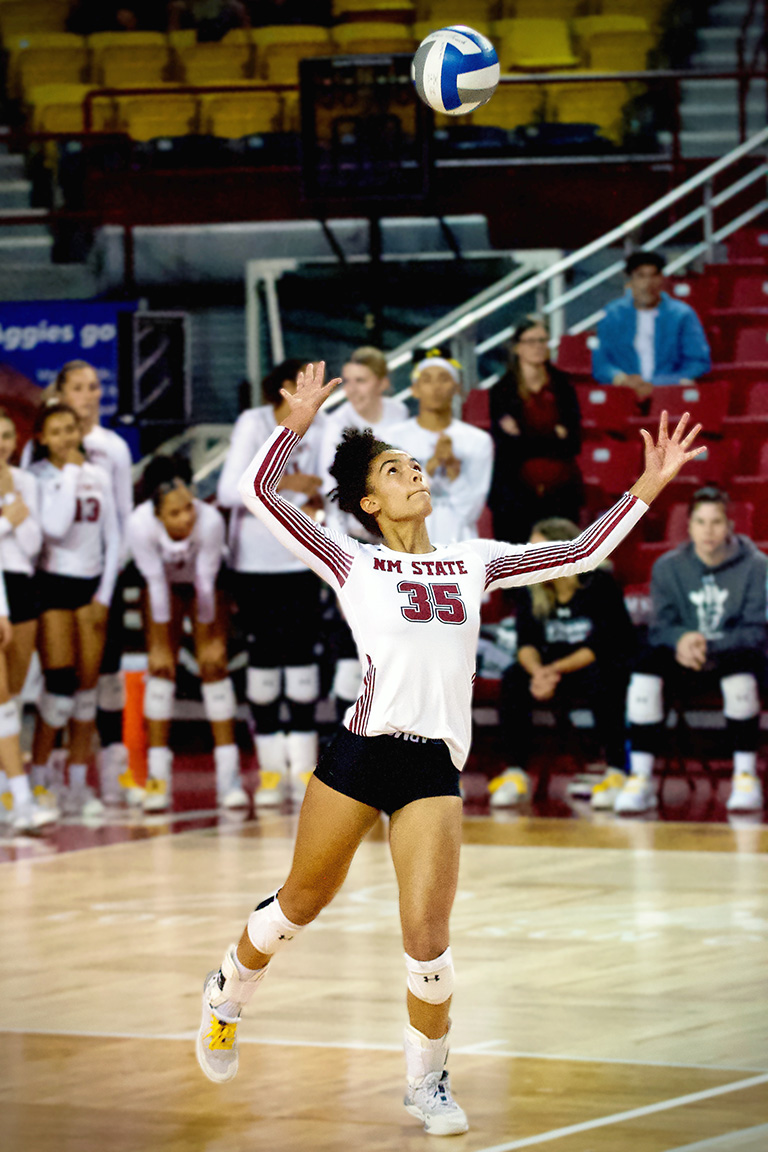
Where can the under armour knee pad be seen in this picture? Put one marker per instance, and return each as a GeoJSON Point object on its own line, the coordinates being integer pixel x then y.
{"type": "Point", "coordinates": [347, 679]}
{"type": "Point", "coordinates": [262, 685]}
{"type": "Point", "coordinates": [741, 698]}
{"type": "Point", "coordinates": [219, 700]}
{"type": "Point", "coordinates": [645, 699]}
{"type": "Point", "coordinates": [158, 698]}
{"type": "Point", "coordinates": [10, 724]}
{"type": "Point", "coordinates": [302, 685]}
{"type": "Point", "coordinates": [84, 709]}
{"type": "Point", "coordinates": [111, 692]}
{"type": "Point", "coordinates": [268, 929]}
{"type": "Point", "coordinates": [431, 980]}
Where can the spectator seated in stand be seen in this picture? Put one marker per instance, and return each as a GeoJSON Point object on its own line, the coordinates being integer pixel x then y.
{"type": "Point", "coordinates": [457, 457]}
{"type": "Point", "coordinates": [575, 639]}
{"type": "Point", "coordinates": [89, 16]}
{"type": "Point", "coordinates": [646, 337]}
{"type": "Point", "coordinates": [708, 629]}
{"type": "Point", "coordinates": [536, 428]}
{"type": "Point", "coordinates": [212, 19]}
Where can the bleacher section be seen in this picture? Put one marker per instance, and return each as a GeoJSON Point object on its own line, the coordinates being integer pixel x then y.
{"type": "Point", "coordinates": [565, 35]}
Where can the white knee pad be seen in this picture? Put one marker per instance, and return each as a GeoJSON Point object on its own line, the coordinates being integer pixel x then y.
{"type": "Point", "coordinates": [347, 679]}
{"type": "Point", "coordinates": [219, 700]}
{"type": "Point", "coordinates": [741, 699]}
{"type": "Point", "coordinates": [84, 708]}
{"type": "Point", "coordinates": [268, 929]}
{"type": "Point", "coordinates": [302, 685]}
{"type": "Point", "coordinates": [56, 710]}
{"type": "Point", "coordinates": [263, 685]}
{"type": "Point", "coordinates": [111, 691]}
{"type": "Point", "coordinates": [431, 980]}
{"type": "Point", "coordinates": [645, 699]}
{"type": "Point", "coordinates": [158, 698]}
{"type": "Point", "coordinates": [9, 719]}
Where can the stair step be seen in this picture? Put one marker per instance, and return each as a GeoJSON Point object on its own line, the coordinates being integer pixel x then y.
{"type": "Point", "coordinates": [11, 166]}
{"type": "Point", "coordinates": [24, 280]}
{"type": "Point", "coordinates": [15, 193]}
{"type": "Point", "coordinates": [22, 250]}
{"type": "Point", "coordinates": [730, 13]}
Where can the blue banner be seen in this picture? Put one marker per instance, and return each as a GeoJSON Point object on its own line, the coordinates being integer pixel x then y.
{"type": "Point", "coordinates": [38, 338]}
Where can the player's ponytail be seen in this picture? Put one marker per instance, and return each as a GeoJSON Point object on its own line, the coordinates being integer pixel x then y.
{"type": "Point", "coordinates": [351, 466]}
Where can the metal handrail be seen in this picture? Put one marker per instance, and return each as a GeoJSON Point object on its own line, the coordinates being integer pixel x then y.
{"type": "Point", "coordinates": [500, 295]}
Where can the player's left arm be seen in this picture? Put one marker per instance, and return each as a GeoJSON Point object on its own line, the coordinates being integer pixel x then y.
{"type": "Point", "coordinates": [111, 542]}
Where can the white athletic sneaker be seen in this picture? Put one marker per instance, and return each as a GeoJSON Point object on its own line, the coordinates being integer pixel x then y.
{"type": "Point", "coordinates": [32, 817]}
{"type": "Point", "coordinates": [157, 796]}
{"type": "Point", "coordinates": [113, 762]}
{"type": "Point", "coordinates": [82, 802]}
{"type": "Point", "coordinates": [269, 793]}
{"type": "Point", "coordinates": [235, 797]}
{"type": "Point", "coordinates": [216, 1045]}
{"type": "Point", "coordinates": [746, 794]}
{"type": "Point", "coordinates": [508, 789]}
{"type": "Point", "coordinates": [636, 796]}
{"type": "Point", "coordinates": [605, 793]}
{"type": "Point", "coordinates": [432, 1103]}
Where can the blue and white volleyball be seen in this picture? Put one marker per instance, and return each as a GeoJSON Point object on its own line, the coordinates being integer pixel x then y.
{"type": "Point", "coordinates": [455, 70]}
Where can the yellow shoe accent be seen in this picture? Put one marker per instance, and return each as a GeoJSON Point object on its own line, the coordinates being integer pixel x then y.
{"type": "Point", "coordinates": [221, 1035]}
{"type": "Point", "coordinates": [156, 787]}
{"type": "Point", "coordinates": [511, 778]}
{"type": "Point", "coordinates": [6, 800]}
{"type": "Point", "coordinates": [269, 781]}
{"type": "Point", "coordinates": [612, 780]}
{"type": "Point", "coordinates": [305, 777]}
{"type": "Point", "coordinates": [126, 780]}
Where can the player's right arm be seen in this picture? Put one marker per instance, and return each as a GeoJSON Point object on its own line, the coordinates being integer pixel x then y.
{"type": "Point", "coordinates": [149, 562]}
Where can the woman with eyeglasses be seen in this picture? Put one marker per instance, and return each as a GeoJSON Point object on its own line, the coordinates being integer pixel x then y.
{"type": "Point", "coordinates": [536, 427]}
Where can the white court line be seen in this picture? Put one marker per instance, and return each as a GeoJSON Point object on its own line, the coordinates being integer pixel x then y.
{"type": "Point", "coordinates": [488, 1048]}
{"type": "Point", "coordinates": [725, 1143]}
{"type": "Point", "coordinates": [632, 1114]}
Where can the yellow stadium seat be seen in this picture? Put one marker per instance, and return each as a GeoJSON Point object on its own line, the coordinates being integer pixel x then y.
{"type": "Point", "coordinates": [47, 58]}
{"type": "Point", "coordinates": [127, 59]}
{"type": "Point", "coordinates": [371, 7]}
{"type": "Point", "coordinates": [20, 17]}
{"type": "Point", "coordinates": [422, 28]}
{"type": "Point", "coordinates": [154, 117]}
{"type": "Point", "coordinates": [232, 117]}
{"type": "Point", "coordinates": [238, 36]}
{"type": "Point", "coordinates": [280, 48]}
{"type": "Point", "coordinates": [614, 43]}
{"type": "Point", "coordinates": [59, 108]}
{"type": "Point", "coordinates": [512, 106]}
{"type": "Point", "coordinates": [526, 45]}
{"type": "Point", "coordinates": [535, 9]}
{"type": "Point", "coordinates": [444, 12]}
{"type": "Point", "coordinates": [599, 104]}
{"type": "Point", "coordinates": [651, 10]}
{"type": "Point", "coordinates": [363, 38]}
{"type": "Point", "coordinates": [291, 112]}
{"type": "Point", "coordinates": [217, 63]}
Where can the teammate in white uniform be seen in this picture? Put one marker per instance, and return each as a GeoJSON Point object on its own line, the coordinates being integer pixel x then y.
{"type": "Point", "coordinates": [178, 545]}
{"type": "Point", "coordinates": [278, 601]}
{"type": "Point", "coordinates": [457, 456]}
{"type": "Point", "coordinates": [76, 577]}
{"type": "Point", "coordinates": [366, 380]}
{"type": "Point", "coordinates": [20, 540]}
{"type": "Point", "coordinates": [414, 610]}
{"type": "Point", "coordinates": [78, 385]}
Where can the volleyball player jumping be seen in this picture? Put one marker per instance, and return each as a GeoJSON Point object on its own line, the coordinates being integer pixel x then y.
{"type": "Point", "coordinates": [414, 610]}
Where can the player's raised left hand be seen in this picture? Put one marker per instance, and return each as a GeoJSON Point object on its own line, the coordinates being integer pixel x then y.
{"type": "Point", "coordinates": [665, 456]}
{"type": "Point", "coordinates": [310, 395]}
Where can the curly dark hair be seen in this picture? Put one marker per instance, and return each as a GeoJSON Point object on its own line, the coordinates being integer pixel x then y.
{"type": "Point", "coordinates": [351, 465]}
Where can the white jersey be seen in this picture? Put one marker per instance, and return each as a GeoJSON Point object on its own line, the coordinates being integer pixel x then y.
{"type": "Point", "coordinates": [416, 618]}
{"type": "Point", "coordinates": [20, 546]}
{"type": "Point", "coordinates": [456, 504]}
{"type": "Point", "coordinates": [163, 561]}
{"type": "Point", "coordinates": [109, 452]}
{"type": "Point", "coordinates": [345, 416]}
{"type": "Point", "coordinates": [253, 548]}
{"type": "Point", "coordinates": [79, 523]}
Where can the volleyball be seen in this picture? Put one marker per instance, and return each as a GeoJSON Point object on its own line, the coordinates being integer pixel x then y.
{"type": "Point", "coordinates": [455, 70]}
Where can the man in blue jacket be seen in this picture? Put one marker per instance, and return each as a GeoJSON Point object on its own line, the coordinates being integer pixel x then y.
{"type": "Point", "coordinates": [646, 337]}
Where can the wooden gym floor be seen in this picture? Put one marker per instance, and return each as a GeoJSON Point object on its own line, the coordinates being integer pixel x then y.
{"type": "Point", "coordinates": [611, 990]}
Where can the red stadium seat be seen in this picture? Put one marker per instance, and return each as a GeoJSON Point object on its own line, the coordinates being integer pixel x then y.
{"type": "Point", "coordinates": [752, 346]}
{"type": "Point", "coordinates": [749, 291]}
{"type": "Point", "coordinates": [753, 490]}
{"type": "Point", "coordinates": [610, 465]}
{"type": "Point", "coordinates": [706, 402]}
{"type": "Point", "coordinates": [574, 355]}
{"type": "Point", "coordinates": [700, 292]}
{"type": "Point", "coordinates": [749, 244]}
{"type": "Point", "coordinates": [606, 407]}
{"type": "Point", "coordinates": [477, 409]}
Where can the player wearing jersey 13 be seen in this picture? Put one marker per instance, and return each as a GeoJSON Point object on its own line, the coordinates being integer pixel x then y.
{"type": "Point", "coordinates": [414, 610]}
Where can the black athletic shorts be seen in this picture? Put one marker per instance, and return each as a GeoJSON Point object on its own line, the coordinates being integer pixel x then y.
{"type": "Point", "coordinates": [23, 603]}
{"type": "Point", "coordinates": [65, 593]}
{"type": "Point", "coordinates": [388, 772]}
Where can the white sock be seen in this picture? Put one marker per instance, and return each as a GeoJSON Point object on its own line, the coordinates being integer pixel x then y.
{"type": "Point", "coordinates": [38, 776]}
{"type": "Point", "coordinates": [20, 790]}
{"type": "Point", "coordinates": [77, 775]}
{"type": "Point", "coordinates": [272, 752]}
{"type": "Point", "coordinates": [159, 763]}
{"type": "Point", "coordinates": [302, 752]}
{"type": "Point", "coordinates": [641, 764]}
{"type": "Point", "coordinates": [227, 760]}
{"type": "Point", "coordinates": [3, 780]}
{"type": "Point", "coordinates": [745, 763]}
